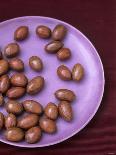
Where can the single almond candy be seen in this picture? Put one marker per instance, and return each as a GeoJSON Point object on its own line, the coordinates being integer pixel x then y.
{"type": "Point", "coordinates": [21, 33]}
{"type": "Point", "coordinates": [65, 110]}
{"type": "Point", "coordinates": [43, 32]}
{"type": "Point", "coordinates": [64, 73]}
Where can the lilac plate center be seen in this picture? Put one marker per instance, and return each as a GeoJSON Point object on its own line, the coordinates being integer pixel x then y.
{"type": "Point", "coordinates": [89, 91]}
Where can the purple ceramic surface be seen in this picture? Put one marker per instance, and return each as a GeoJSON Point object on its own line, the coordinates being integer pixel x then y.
{"type": "Point", "coordinates": [89, 91]}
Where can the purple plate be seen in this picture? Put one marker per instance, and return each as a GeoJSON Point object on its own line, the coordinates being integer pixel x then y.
{"type": "Point", "coordinates": [89, 91]}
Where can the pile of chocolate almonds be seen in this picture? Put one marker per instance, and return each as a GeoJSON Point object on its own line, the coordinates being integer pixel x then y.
{"type": "Point", "coordinates": [29, 119]}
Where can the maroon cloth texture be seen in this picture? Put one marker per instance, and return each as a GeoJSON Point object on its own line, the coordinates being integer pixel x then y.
{"type": "Point", "coordinates": [97, 20]}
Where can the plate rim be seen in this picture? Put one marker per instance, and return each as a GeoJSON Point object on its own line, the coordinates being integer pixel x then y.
{"type": "Point", "coordinates": [102, 89]}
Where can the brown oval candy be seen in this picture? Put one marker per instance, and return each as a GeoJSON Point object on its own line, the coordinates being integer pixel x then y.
{"type": "Point", "coordinates": [51, 111]}
{"type": "Point", "coordinates": [65, 110]}
{"type": "Point", "coordinates": [28, 121]}
{"type": "Point", "coordinates": [4, 66]}
{"type": "Point", "coordinates": [47, 125]}
{"type": "Point", "coordinates": [59, 32]}
{"type": "Point", "coordinates": [16, 64]}
{"type": "Point", "coordinates": [43, 32]}
{"type": "Point", "coordinates": [11, 50]}
{"type": "Point", "coordinates": [21, 33]}
{"type": "Point", "coordinates": [35, 85]}
{"type": "Point", "coordinates": [53, 47]}
{"type": "Point", "coordinates": [1, 100]}
{"type": "Point", "coordinates": [65, 95]}
{"type": "Point", "coordinates": [10, 121]}
{"type": "Point", "coordinates": [64, 54]}
{"type": "Point", "coordinates": [13, 106]}
{"type": "Point", "coordinates": [64, 73]}
{"type": "Point", "coordinates": [36, 63]}
{"type": "Point", "coordinates": [33, 135]}
{"type": "Point", "coordinates": [15, 92]}
{"type": "Point", "coordinates": [33, 106]}
{"type": "Point", "coordinates": [19, 80]}
{"type": "Point", "coordinates": [1, 120]}
{"type": "Point", "coordinates": [14, 134]}
{"type": "Point", "coordinates": [77, 72]}
{"type": "Point", "coordinates": [4, 83]}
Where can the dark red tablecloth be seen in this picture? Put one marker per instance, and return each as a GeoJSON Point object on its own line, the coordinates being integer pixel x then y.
{"type": "Point", "coordinates": [97, 20]}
